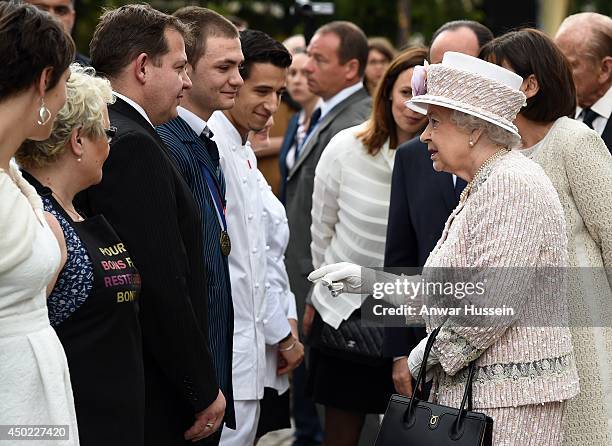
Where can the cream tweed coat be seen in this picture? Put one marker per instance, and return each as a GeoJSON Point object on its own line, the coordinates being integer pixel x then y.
{"type": "Point", "coordinates": [580, 167]}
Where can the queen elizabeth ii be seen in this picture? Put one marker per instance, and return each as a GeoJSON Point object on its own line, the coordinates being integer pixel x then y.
{"type": "Point", "coordinates": [510, 219]}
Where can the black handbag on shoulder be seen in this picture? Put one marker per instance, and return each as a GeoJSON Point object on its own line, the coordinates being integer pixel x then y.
{"type": "Point", "coordinates": [414, 422]}
{"type": "Point", "coordinates": [351, 341]}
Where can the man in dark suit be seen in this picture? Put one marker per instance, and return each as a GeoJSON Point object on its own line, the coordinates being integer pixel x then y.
{"type": "Point", "coordinates": [337, 56]}
{"type": "Point", "coordinates": [339, 82]}
{"type": "Point", "coordinates": [422, 199]}
{"type": "Point", "coordinates": [144, 196]}
{"type": "Point", "coordinates": [585, 40]}
{"type": "Point", "coordinates": [307, 102]}
{"type": "Point", "coordinates": [214, 56]}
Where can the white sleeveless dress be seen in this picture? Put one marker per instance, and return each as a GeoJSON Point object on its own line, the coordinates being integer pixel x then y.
{"type": "Point", "coordinates": [34, 380]}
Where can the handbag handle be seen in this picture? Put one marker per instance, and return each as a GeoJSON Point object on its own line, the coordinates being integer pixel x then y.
{"type": "Point", "coordinates": [467, 394]}
{"type": "Point", "coordinates": [421, 376]}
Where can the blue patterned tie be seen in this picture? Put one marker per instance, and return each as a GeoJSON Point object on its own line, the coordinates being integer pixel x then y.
{"type": "Point", "coordinates": [213, 151]}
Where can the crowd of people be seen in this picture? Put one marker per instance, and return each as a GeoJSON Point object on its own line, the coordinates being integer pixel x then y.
{"type": "Point", "coordinates": [155, 291]}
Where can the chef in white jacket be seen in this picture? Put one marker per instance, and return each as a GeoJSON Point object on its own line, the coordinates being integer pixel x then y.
{"type": "Point", "coordinates": [259, 319]}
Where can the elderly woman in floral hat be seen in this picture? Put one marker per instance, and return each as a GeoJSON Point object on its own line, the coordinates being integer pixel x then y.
{"type": "Point", "coordinates": [510, 221]}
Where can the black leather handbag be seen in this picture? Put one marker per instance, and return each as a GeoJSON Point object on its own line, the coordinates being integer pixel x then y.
{"type": "Point", "coordinates": [352, 341]}
{"type": "Point", "coordinates": [414, 422]}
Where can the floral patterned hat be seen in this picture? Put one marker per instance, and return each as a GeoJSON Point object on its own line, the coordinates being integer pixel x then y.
{"type": "Point", "coordinates": [470, 85]}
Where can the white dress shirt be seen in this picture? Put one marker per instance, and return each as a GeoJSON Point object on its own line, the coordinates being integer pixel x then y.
{"type": "Point", "coordinates": [327, 106]}
{"type": "Point", "coordinates": [134, 104]}
{"type": "Point", "coordinates": [603, 107]}
{"type": "Point", "coordinates": [196, 123]}
{"type": "Point", "coordinates": [257, 320]}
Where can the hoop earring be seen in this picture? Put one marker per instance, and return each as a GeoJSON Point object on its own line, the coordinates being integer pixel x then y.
{"type": "Point", "coordinates": [43, 113]}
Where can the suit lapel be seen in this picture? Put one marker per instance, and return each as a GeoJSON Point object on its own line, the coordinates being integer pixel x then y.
{"type": "Point", "coordinates": [194, 143]}
{"type": "Point", "coordinates": [323, 124]}
{"type": "Point", "coordinates": [122, 107]}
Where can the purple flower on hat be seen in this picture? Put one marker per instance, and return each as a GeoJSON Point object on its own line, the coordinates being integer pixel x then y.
{"type": "Point", "coordinates": [419, 80]}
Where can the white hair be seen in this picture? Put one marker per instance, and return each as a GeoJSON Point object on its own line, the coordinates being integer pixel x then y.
{"type": "Point", "coordinates": [495, 133]}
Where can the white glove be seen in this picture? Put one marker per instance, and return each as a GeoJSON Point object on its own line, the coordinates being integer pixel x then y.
{"type": "Point", "coordinates": [416, 359]}
{"type": "Point", "coordinates": [353, 278]}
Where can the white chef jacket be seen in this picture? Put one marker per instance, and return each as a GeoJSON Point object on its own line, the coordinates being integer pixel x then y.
{"type": "Point", "coordinates": [256, 321]}
{"type": "Point", "coordinates": [277, 280]}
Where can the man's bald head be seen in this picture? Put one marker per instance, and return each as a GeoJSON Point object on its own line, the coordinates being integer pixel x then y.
{"type": "Point", "coordinates": [586, 41]}
{"type": "Point", "coordinates": [462, 36]}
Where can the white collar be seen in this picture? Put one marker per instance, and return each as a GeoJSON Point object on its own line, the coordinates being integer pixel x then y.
{"type": "Point", "coordinates": [196, 123]}
{"type": "Point", "coordinates": [603, 106]}
{"type": "Point", "coordinates": [228, 131]}
{"type": "Point", "coordinates": [134, 104]}
{"type": "Point", "coordinates": [326, 106]}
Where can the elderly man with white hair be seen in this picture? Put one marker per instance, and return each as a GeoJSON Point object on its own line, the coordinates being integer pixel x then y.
{"type": "Point", "coordinates": [586, 40]}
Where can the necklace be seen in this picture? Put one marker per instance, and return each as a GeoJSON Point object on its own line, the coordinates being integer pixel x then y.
{"type": "Point", "coordinates": [480, 170]}
{"type": "Point", "coordinates": [75, 214]}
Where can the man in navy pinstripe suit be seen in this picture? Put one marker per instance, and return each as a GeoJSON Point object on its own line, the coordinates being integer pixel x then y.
{"type": "Point", "coordinates": [214, 56]}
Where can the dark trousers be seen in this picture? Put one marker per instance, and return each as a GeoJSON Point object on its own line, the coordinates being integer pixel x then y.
{"type": "Point", "coordinates": [308, 430]}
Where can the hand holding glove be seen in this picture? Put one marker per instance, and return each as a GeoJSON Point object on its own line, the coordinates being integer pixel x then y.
{"type": "Point", "coordinates": [353, 278]}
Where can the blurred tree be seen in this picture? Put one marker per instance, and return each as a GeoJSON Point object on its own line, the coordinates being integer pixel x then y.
{"type": "Point", "coordinates": [402, 21]}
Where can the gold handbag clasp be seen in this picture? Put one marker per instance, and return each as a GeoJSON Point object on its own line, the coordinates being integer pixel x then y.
{"type": "Point", "coordinates": [433, 420]}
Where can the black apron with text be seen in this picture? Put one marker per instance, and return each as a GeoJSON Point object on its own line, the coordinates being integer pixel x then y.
{"type": "Point", "coordinates": [103, 344]}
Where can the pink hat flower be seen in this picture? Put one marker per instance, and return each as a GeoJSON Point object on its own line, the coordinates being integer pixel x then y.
{"type": "Point", "coordinates": [419, 79]}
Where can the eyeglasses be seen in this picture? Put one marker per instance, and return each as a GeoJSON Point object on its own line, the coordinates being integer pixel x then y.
{"type": "Point", "coordinates": [110, 133]}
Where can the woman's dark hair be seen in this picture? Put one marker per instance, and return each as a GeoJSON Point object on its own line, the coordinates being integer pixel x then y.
{"type": "Point", "coordinates": [30, 41]}
{"type": "Point", "coordinates": [258, 47]}
{"type": "Point", "coordinates": [529, 51]}
{"type": "Point", "coordinates": [381, 124]}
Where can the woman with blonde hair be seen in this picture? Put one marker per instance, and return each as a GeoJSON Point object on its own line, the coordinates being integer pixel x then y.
{"type": "Point", "coordinates": [35, 383]}
{"type": "Point", "coordinates": [92, 304]}
{"type": "Point", "coordinates": [508, 235]}
{"type": "Point", "coordinates": [352, 187]}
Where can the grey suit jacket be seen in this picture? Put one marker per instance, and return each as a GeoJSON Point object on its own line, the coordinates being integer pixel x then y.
{"type": "Point", "coordinates": [352, 111]}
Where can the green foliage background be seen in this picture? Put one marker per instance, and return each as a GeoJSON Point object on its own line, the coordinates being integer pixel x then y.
{"type": "Point", "coordinates": [376, 17]}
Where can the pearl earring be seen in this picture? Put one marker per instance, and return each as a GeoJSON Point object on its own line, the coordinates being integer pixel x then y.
{"type": "Point", "coordinates": [471, 143]}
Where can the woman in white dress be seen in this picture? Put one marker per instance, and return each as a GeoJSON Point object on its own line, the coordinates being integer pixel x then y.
{"type": "Point", "coordinates": [34, 380]}
{"type": "Point", "coordinates": [579, 165]}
